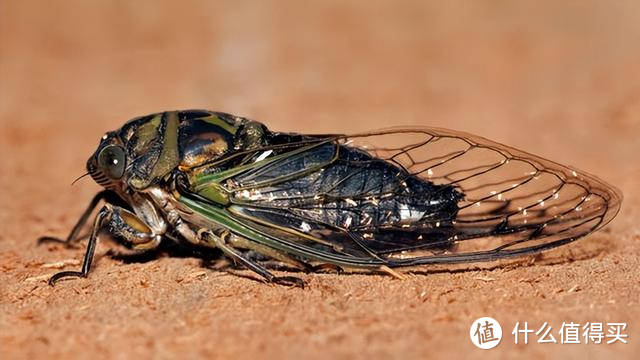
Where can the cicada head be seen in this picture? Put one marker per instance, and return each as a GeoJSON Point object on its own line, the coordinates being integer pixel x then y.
{"type": "Point", "coordinates": [149, 148]}
{"type": "Point", "coordinates": [108, 163]}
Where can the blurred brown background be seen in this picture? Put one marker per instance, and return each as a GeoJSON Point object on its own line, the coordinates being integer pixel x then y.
{"type": "Point", "coordinates": [557, 78]}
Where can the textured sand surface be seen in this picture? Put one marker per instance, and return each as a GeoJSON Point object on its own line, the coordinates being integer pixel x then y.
{"type": "Point", "coordinates": [558, 79]}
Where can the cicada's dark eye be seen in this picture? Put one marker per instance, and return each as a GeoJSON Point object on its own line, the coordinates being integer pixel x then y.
{"type": "Point", "coordinates": [111, 161]}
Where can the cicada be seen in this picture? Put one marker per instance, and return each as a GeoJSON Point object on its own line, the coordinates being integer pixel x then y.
{"type": "Point", "coordinates": [375, 201]}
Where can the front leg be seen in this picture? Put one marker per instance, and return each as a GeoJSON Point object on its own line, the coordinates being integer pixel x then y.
{"type": "Point", "coordinates": [124, 226]}
{"type": "Point", "coordinates": [107, 195]}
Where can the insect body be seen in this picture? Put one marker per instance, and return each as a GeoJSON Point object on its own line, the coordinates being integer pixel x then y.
{"type": "Point", "coordinates": [392, 198]}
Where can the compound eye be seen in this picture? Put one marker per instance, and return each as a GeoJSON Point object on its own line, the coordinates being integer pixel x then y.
{"type": "Point", "coordinates": [111, 161]}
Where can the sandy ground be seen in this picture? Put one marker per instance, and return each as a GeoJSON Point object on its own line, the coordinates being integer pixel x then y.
{"type": "Point", "coordinates": [559, 79]}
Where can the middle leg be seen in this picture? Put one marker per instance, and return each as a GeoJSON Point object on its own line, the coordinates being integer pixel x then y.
{"type": "Point", "coordinates": [221, 242]}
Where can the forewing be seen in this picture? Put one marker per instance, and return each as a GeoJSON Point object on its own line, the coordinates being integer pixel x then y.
{"type": "Point", "coordinates": [412, 196]}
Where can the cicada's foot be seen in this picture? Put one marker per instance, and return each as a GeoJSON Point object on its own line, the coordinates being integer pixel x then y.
{"type": "Point", "coordinates": [65, 274]}
{"type": "Point", "coordinates": [327, 268]}
{"type": "Point", "coordinates": [50, 239]}
{"type": "Point", "coordinates": [290, 281]}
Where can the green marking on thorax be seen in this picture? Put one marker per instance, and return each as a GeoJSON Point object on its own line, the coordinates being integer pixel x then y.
{"type": "Point", "coordinates": [147, 132]}
{"type": "Point", "coordinates": [170, 156]}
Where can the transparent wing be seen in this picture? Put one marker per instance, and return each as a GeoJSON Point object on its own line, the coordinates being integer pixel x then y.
{"type": "Point", "coordinates": [413, 196]}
